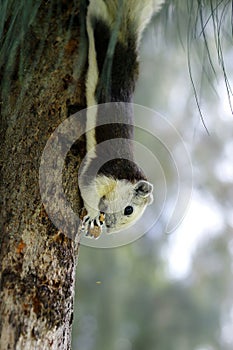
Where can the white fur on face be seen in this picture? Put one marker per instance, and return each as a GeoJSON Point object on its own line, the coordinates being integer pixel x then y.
{"type": "Point", "coordinates": [124, 195]}
{"type": "Point", "coordinates": [112, 197]}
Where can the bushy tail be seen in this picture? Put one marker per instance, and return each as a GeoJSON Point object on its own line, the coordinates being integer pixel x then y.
{"type": "Point", "coordinates": [134, 15]}
{"type": "Point", "coordinates": [114, 30]}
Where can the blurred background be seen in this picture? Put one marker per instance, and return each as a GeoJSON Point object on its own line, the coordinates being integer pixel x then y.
{"type": "Point", "coordinates": [174, 291]}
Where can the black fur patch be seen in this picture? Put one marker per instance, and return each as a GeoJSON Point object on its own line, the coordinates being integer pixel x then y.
{"type": "Point", "coordinates": [116, 120]}
{"type": "Point", "coordinates": [117, 168]}
{"type": "Point", "coordinates": [122, 169]}
{"type": "Point", "coordinates": [120, 83]}
{"type": "Point", "coordinates": [117, 77]}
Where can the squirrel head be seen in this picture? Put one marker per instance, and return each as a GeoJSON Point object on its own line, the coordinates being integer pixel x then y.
{"type": "Point", "coordinates": [123, 202]}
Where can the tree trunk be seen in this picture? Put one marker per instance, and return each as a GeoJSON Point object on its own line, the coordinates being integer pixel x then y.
{"type": "Point", "coordinates": [40, 87]}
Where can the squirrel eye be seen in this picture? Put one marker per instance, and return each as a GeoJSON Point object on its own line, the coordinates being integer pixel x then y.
{"type": "Point", "coordinates": [128, 210]}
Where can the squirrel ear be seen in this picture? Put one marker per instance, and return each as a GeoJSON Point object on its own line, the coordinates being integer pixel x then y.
{"type": "Point", "coordinates": [144, 189]}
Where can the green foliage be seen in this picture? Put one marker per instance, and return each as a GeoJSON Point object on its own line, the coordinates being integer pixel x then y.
{"type": "Point", "coordinates": [15, 20]}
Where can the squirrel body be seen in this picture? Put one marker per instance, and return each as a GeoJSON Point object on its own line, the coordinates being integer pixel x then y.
{"type": "Point", "coordinates": [118, 193]}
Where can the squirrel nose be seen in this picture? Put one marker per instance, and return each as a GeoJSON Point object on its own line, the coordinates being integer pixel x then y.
{"type": "Point", "coordinates": [110, 220]}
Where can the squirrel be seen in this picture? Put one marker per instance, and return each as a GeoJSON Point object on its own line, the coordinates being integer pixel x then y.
{"type": "Point", "coordinates": [114, 189]}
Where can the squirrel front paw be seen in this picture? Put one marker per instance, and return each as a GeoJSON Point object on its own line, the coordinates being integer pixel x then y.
{"type": "Point", "coordinates": [93, 227]}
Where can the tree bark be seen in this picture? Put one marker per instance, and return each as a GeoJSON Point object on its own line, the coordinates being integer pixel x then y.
{"type": "Point", "coordinates": [38, 91]}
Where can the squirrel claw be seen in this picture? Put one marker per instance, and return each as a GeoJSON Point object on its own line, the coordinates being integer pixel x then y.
{"type": "Point", "coordinates": [93, 232]}
{"type": "Point", "coordinates": [93, 228]}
